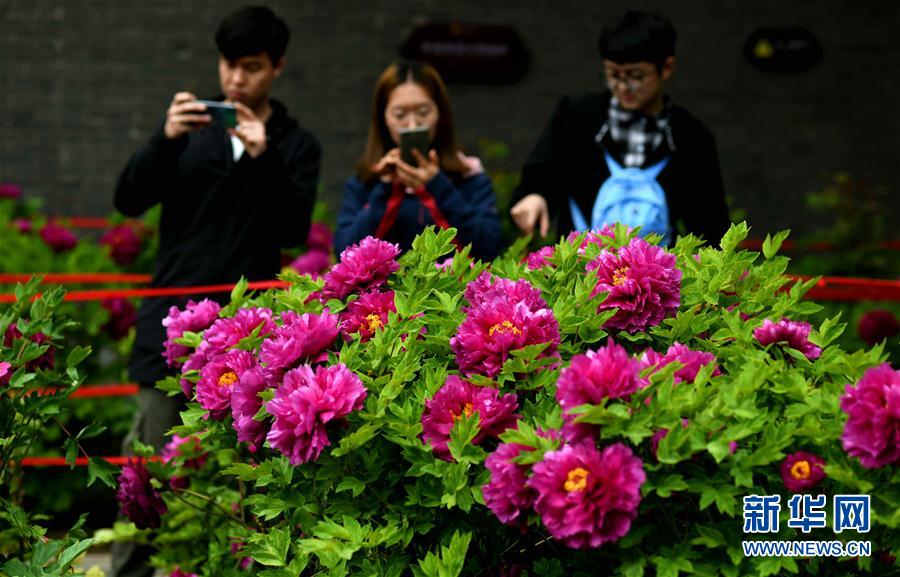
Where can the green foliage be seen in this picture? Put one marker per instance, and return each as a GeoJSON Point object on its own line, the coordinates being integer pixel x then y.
{"type": "Point", "coordinates": [378, 502]}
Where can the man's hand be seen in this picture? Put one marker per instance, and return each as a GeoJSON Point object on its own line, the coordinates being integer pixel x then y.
{"type": "Point", "coordinates": [185, 115]}
{"type": "Point", "coordinates": [530, 211]}
{"type": "Point", "coordinates": [250, 130]}
{"type": "Point", "coordinates": [418, 176]}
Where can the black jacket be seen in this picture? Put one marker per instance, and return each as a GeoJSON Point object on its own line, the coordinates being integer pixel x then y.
{"type": "Point", "coordinates": [220, 220]}
{"type": "Point", "coordinates": [568, 160]}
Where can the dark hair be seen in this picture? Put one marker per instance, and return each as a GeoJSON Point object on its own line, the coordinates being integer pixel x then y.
{"type": "Point", "coordinates": [251, 30]}
{"type": "Point", "coordinates": [638, 37]}
{"type": "Point", "coordinates": [380, 141]}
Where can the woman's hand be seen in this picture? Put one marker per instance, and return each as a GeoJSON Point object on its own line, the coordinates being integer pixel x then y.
{"type": "Point", "coordinates": [418, 176]}
{"type": "Point", "coordinates": [387, 166]}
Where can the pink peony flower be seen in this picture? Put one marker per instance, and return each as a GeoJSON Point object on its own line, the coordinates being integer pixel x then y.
{"type": "Point", "coordinates": [179, 573]}
{"type": "Point", "coordinates": [313, 263]}
{"type": "Point", "coordinates": [10, 191]}
{"type": "Point", "coordinates": [794, 333]}
{"type": "Point", "coordinates": [217, 380]}
{"type": "Point", "coordinates": [487, 289]}
{"type": "Point", "coordinates": [23, 225]}
{"type": "Point", "coordinates": [872, 431]}
{"type": "Point", "coordinates": [607, 373]}
{"type": "Point", "coordinates": [490, 331]}
{"type": "Point", "coordinates": [320, 237]}
{"type": "Point", "coordinates": [539, 258]}
{"type": "Point", "coordinates": [245, 403]}
{"type": "Point", "coordinates": [306, 403]}
{"type": "Point", "coordinates": [122, 316]}
{"type": "Point", "coordinates": [4, 370]}
{"type": "Point", "coordinates": [367, 314]}
{"type": "Point", "coordinates": [188, 447]}
{"type": "Point", "coordinates": [123, 242]}
{"type": "Point", "coordinates": [194, 318]}
{"type": "Point", "coordinates": [878, 325]}
{"type": "Point", "coordinates": [586, 498]}
{"type": "Point", "coordinates": [642, 283]}
{"type": "Point", "coordinates": [507, 494]}
{"type": "Point", "coordinates": [456, 397]}
{"type": "Point", "coordinates": [299, 339]}
{"type": "Point", "coordinates": [59, 238]}
{"type": "Point", "coordinates": [692, 360]}
{"type": "Point", "coordinates": [138, 500]}
{"type": "Point", "coordinates": [363, 266]}
{"type": "Point", "coordinates": [801, 471]}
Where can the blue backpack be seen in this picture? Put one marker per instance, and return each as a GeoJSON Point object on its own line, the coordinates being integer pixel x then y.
{"type": "Point", "coordinates": [631, 196]}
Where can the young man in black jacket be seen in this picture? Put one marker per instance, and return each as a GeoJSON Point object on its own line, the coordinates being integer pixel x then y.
{"type": "Point", "coordinates": [633, 127]}
{"type": "Point", "coordinates": [231, 198]}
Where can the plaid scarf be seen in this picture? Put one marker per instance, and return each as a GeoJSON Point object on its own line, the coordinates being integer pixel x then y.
{"type": "Point", "coordinates": [639, 135]}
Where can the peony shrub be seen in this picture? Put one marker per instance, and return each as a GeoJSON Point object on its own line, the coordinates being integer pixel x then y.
{"type": "Point", "coordinates": [602, 407]}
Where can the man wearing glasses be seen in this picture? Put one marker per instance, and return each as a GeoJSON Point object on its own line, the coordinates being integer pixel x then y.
{"type": "Point", "coordinates": [627, 155]}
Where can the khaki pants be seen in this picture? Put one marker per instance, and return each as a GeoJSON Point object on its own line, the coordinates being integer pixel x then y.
{"type": "Point", "coordinates": [156, 414]}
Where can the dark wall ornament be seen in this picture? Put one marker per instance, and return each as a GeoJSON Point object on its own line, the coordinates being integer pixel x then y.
{"type": "Point", "coordinates": [790, 49]}
{"type": "Point", "coordinates": [469, 53]}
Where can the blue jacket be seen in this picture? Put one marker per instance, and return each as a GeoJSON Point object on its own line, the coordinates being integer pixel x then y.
{"type": "Point", "coordinates": [469, 205]}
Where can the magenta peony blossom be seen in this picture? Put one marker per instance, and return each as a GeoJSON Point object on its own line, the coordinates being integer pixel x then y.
{"type": "Point", "coordinates": [319, 238]}
{"type": "Point", "coordinates": [23, 225]}
{"type": "Point", "coordinates": [245, 403]}
{"type": "Point", "coordinates": [490, 331]}
{"type": "Point", "coordinates": [507, 494]}
{"type": "Point", "coordinates": [179, 573]}
{"type": "Point", "coordinates": [45, 361]}
{"type": "Point", "coordinates": [692, 360]}
{"type": "Point", "coordinates": [363, 266]}
{"type": "Point", "coordinates": [801, 471]}
{"type": "Point", "coordinates": [4, 371]}
{"type": "Point", "coordinates": [872, 431]}
{"type": "Point", "coordinates": [122, 316]}
{"type": "Point", "coordinates": [487, 289]}
{"type": "Point", "coordinates": [123, 242]}
{"type": "Point", "coordinates": [878, 325]}
{"type": "Point", "coordinates": [11, 191]}
{"type": "Point", "coordinates": [194, 318]}
{"type": "Point", "coordinates": [586, 498]}
{"type": "Point", "coordinates": [305, 403]}
{"type": "Point", "coordinates": [217, 380]}
{"type": "Point", "coordinates": [496, 413]}
{"type": "Point", "coordinates": [794, 333]}
{"type": "Point", "coordinates": [367, 314]}
{"type": "Point", "coordinates": [188, 447]}
{"type": "Point", "coordinates": [607, 373]}
{"type": "Point", "coordinates": [539, 258]}
{"type": "Point", "coordinates": [299, 339]}
{"type": "Point", "coordinates": [59, 238]}
{"type": "Point", "coordinates": [642, 283]}
{"type": "Point", "coordinates": [138, 500]}
{"type": "Point", "coordinates": [313, 263]}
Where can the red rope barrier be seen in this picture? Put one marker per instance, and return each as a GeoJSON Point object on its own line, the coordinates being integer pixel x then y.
{"type": "Point", "coordinates": [79, 462]}
{"type": "Point", "coordinates": [84, 221]}
{"type": "Point", "coordinates": [76, 278]}
{"type": "Point", "coordinates": [100, 294]}
{"type": "Point", "coordinates": [94, 391]}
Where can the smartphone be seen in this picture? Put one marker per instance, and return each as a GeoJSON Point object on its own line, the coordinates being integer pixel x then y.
{"type": "Point", "coordinates": [221, 112]}
{"type": "Point", "coordinates": [413, 138]}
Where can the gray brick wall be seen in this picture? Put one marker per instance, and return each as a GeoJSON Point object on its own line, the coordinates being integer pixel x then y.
{"type": "Point", "coordinates": [83, 83]}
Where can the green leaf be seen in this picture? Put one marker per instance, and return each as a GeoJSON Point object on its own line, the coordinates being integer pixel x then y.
{"type": "Point", "coordinates": [71, 553]}
{"type": "Point", "coordinates": [270, 548]}
{"type": "Point", "coordinates": [771, 246]}
{"type": "Point", "coordinates": [103, 470]}
{"type": "Point", "coordinates": [77, 355]}
{"type": "Point", "coordinates": [43, 552]}
{"type": "Point", "coordinates": [239, 289]}
{"type": "Point", "coordinates": [352, 484]}
{"type": "Point", "coordinates": [450, 561]}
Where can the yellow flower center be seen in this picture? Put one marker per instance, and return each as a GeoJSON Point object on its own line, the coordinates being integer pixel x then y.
{"type": "Point", "coordinates": [374, 322]}
{"type": "Point", "coordinates": [800, 470]}
{"type": "Point", "coordinates": [503, 328]}
{"type": "Point", "coordinates": [468, 410]}
{"type": "Point", "coordinates": [620, 276]}
{"type": "Point", "coordinates": [577, 480]}
{"type": "Point", "coordinates": [228, 379]}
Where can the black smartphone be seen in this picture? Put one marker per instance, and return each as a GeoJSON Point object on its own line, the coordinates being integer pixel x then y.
{"type": "Point", "coordinates": [413, 138]}
{"type": "Point", "coordinates": [221, 112]}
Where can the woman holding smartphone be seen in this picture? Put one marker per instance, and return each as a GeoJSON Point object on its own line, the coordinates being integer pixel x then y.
{"type": "Point", "coordinates": [394, 195]}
